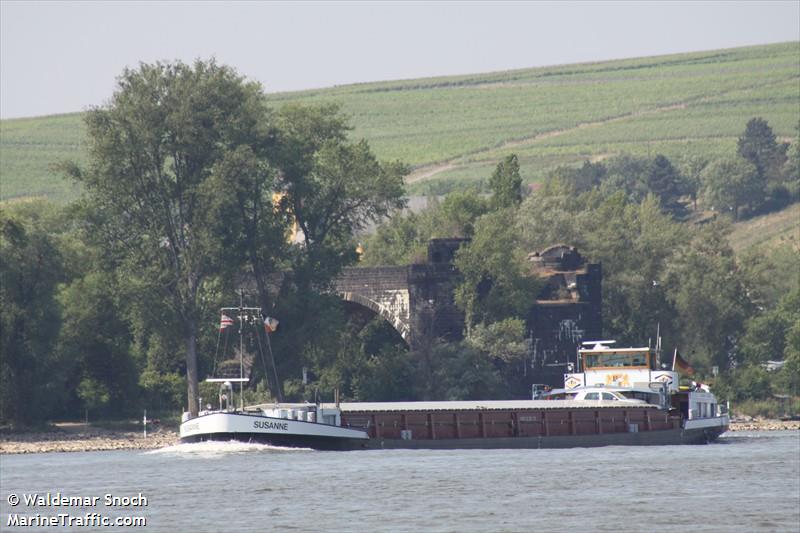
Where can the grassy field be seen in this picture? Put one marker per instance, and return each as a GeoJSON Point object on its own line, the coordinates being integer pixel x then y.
{"type": "Point", "coordinates": [768, 231]}
{"type": "Point", "coordinates": [454, 130]}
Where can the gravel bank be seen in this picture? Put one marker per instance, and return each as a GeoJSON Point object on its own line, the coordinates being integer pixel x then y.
{"type": "Point", "coordinates": [763, 425]}
{"type": "Point", "coordinates": [84, 440]}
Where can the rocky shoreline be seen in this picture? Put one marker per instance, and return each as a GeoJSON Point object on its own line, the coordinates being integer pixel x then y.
{"type": "Point", "coordinates": [78, 438]}
{"type": "Point", "coordinates": [82, 439]}
{"type": "Point", "coordinates": [763, 425]}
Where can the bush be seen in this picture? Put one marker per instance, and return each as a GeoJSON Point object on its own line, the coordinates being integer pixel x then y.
{"type": "Point", "coordinates": [778, 197]}
{"type": "Point", "coordinates": [164, 393]}
{"type": "Point", "coordinates": [768, 408]}
{"type": "Point", "coordinates": [748, 382]}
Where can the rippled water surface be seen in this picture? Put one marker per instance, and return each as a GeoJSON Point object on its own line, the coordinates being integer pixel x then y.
{"type": "Point", "coordinates": [745, 482]}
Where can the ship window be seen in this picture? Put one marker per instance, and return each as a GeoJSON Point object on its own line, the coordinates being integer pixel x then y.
{"type": "Point", "coordinates": [614, 359]}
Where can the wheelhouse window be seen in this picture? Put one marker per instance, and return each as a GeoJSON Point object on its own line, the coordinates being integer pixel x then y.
{"type": "Point", "coordinates": [615, 359]}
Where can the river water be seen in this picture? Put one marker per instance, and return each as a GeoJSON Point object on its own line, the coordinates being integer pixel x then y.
{"type": "Point", "coordinates": [744, 482]}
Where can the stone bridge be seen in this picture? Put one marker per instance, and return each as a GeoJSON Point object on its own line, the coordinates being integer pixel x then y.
{"type": "Point", "coordinates": [418, 301]}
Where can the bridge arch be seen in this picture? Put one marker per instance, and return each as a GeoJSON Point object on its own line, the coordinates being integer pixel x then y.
{"type": "Point", "coordinates": [395, 312]}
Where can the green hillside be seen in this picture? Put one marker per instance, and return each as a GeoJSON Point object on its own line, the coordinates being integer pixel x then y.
{"type": "Point", "coordinates": [779, 229]}
{"type": "Point", "coordinates": [455, 129]}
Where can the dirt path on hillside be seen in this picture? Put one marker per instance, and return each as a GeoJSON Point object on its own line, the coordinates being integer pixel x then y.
{"type": "Point", "coordinates": [428, 171]}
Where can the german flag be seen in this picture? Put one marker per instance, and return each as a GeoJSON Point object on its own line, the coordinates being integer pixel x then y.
{"type": "Point", "coordinates": [681, 364]}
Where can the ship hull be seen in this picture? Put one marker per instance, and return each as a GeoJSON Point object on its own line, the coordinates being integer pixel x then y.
{"type": "Point", "coordinates": [299, 434]}
{"type": "Point", "coordinates": [649, 438]}
{"type": "Point", "coordinates": [243, 427]}
{"type": "Point", "coordinates": [285, 441]}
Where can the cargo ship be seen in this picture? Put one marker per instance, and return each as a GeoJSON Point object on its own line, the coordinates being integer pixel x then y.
{"type": "Point", "coordinates": [615, 396]}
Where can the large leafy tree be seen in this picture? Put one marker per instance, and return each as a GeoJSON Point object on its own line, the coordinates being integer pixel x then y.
{"type": "Point", "coordinates": [296, 202]}
{"type": "Point", "coordinates": [152, 150]}
{"type": "Point", "coordinates": [731, 184]}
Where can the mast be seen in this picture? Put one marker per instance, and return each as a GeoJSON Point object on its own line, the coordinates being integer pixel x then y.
{"type": "Point", "coordinates": [241, 349]}
{"type": "Point", "coordinates": [246, 314]}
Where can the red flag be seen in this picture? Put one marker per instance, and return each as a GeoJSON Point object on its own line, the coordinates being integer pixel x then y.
{"type": "Point", "coordinates": [270, 324]}
{"type": "Point", "coordinates": [224, 322]}
{"type": "Point", "coordinates": [681, 363]}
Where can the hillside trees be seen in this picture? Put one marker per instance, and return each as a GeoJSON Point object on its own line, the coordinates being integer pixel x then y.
{"type": "Point", "coordinates": [151, 152]}
{"type": "Point", "coordinates": [95, 340]}
{"type": "Point", "coordinates": [585, 178]}
{"type": "Point", "coordinates": [403, 239]}
{"type": "Point", "coordinates": [496, 285]}
{"type": "Point", "coordinates": [707, 288]}
{"type": "Point", "coordinates": [31, 266]}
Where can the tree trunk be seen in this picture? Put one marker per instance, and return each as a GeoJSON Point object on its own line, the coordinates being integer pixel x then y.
{"type": "Point", "coordinates": [191, 366]}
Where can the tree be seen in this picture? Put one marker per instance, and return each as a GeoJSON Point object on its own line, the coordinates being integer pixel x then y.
{"type": "Point", "coordinates": [691, 168]}
{"type": "Point", "coordinates": [791, 169]}
{"type": "Point", "coordinates": [148, 192]}
{"type": "Point", "coordinates": [731, 184]}
{"type": "Point", "coordinates": [31, 267]}
{"type": "Point", "coordinates": [758, 146]}
{"type": "Point", "coordinates": [496, 281]}
{"type": "Point", "coordinates": [254, 231]}
{"type": "Point", "coordinates": [404, 238]}
{"type": "Point", "coordinates": [93, 394]}
{"type": "Point", "coordinates": [329, 188]}
{"type": "Point", "coordinates": [589, 176]}
{"type": "Point", "coordinates": [96, 341]}
{"type": "Point", "coordinates": [503, 340]}
{"type": "Point", "coordinates": [664, 181]}
{"type": "Point", "coordinates": [551, 216]}
{"type": "Point", "coordinates": [627, 174]}
{"type": "Point", "coordinates": [457, 213]}
{"type": "Point", "coordinates": [332, 188]}
{"type": "Point", "coordinates": [506, 183]}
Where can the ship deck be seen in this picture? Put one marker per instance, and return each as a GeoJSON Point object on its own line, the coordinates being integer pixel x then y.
{"type": "Point", "coordinates": [493, 405]}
